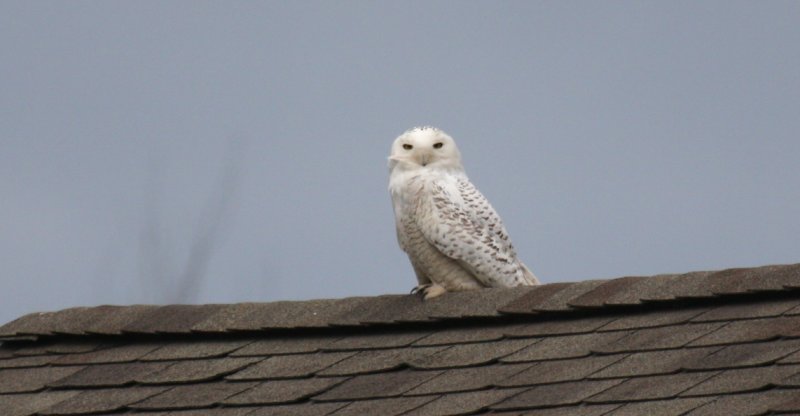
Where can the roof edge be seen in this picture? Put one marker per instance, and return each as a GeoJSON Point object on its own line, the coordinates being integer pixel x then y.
{"type": "Point", "coordinates": [549, 300]}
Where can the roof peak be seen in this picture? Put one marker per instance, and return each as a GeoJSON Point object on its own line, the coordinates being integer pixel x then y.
{"type": "Point", "coordinates": [562, 299]}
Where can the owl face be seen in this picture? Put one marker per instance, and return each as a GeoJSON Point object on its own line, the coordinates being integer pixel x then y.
{"type": "Point", "coordinates": [425, 147]}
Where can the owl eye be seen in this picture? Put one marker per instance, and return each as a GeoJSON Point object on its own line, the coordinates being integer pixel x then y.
{"type": "Point", "coordinates": [408, 146]}
{"type": "Point", "coordinates": [438, 145]}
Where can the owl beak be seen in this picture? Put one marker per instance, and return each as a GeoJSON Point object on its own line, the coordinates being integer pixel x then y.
{"type": "Point", "coordinates": [423, 159]}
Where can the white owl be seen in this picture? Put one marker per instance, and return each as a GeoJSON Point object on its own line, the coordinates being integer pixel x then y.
{"type": "Point", "coordinates": [452, 235]}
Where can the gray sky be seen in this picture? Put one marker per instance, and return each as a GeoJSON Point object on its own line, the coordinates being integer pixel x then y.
{"type": "Point", "coordinates": [213, 152]}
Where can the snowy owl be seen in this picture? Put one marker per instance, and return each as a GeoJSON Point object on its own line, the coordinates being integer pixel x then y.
{"type": "Point", "coordinates": [452, 235]}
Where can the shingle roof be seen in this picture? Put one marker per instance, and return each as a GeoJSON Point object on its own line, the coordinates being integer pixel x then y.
{"type": "Point", "coordinates": [704, 343]}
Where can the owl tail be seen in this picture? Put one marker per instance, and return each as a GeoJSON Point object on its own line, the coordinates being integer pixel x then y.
{"type": "Point", "coordinates": [530, 278]}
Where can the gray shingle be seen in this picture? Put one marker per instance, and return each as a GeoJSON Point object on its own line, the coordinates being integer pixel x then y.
{"type": "Point", "coordinates": [654, 362]}
{"type": "Point", "coordinates": [118, 353]}
{"type": "Point", "coordinates": [101, 400]}
{"type": "Point", "coordinates": [375, 340]}
{"type": "Point", "coordinates": [530, 301]}
{"type": "Point", "coordinates": [463, 403]}
{"type": "Point", "coordinates": [608, 292]}
{"type": "Point", "coordinates": [285, 345]}
{"type": "Point", "coordinates": [561, 300]}
{"type": "Point", "coordinates": [109, 320]}
{"type": "Point", "coordinates": [107, 375]}
{"type": "Point", "coordinates": [205, 412]}
{"type": "Point", "coordinates": [466, 379]}
{"type": "Point", "coordinates": [744, 355]}
{"type": "Point", "coordinates": [464, 355]}
{"type": "Point", "coordinates": [300, 409]}
{"type": "Point", "coordinates": [308, 314]}
{"type": "Point", "coordinates": [470, 334]}
{"type": "Point", "coordinates": [28, 361]}
{"type": "Point", "coordinates": [752, 404]}
{"type": "Point", "coordinates": [793, 358]}
{"type": "Point", "coordinates": [673, 336]}
{"type": "Point", "coordinates": [570, 346]}
{"type": "Point", "coordinates": [283, 391]}
{"type": "Point", "coordinates": [586, 410]}
{"type": "Point", "coordinates": [56, 348]}
{"type": "Point", "coordinates": [557, 371]}
{"type": "Point", "coordinates": [372, 361]}
{"type": "Point", "coordinates": [673, 407]}
{"type": "Point", "coordinates": [383, 407]}
{"type": "Point", "coordinates": [196, 370]}
{"type": "Point", "coordinates": [67, 321]}
{"type": "Point", "coordinates": [646, 289]}
{"type": "Point", "coordinates": [464, 304]}
{"type": "Point", "coordinates": [28, 404]}
{"type": "Point", "coordinates": [655, 318]}
{"type": "Point", "coordinates": [191, 396]}
{"type": "Point", "coordinates": [384, 309]}
{"type": "Point", "coordinates": [377, 385]}
{"type": "Point", "coordinates": [744, 379]}
{"type": "Point", "coordinates": [194, 349]}
{"type": "Point", "coordinates": [688, 286]}
{"type": "Point", "coordinates": [171, 319]}
{"type": "Point", "coordinates": [748, 310]}
{"type": "Point", "coordinates": [22, 380]}
{"type": "Point", "coordinates": [543, 350]}
{"type": "Point", "coordinates": [651, 388]}
{"type": "Point", "coordinates": [284, 314]}
{"type": "Point", "coordinates": [572, 325]}
{"type": "Point", "coordinates": [752, 330]}
{"type": "Point", "coordinates": [755, 279]}
{"type": "Point", "coordinates": [556, 394]}
{"type": "Point", "coordinates": [290, 366]}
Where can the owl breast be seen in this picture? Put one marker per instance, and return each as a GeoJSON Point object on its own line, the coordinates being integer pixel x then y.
{"type": "Point", "coordinates": [429, 262]}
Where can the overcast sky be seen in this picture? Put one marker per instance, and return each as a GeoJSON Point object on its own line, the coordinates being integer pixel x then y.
{"type": "Point", "coordinates": [214, 152]}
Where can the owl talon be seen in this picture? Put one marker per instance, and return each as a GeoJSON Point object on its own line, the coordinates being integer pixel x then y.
{"type": "Point", "coordinates": [433, 290]}
{"type": "Point", "coordinates": [420, 289]}
{"type": "Point", "coordinates": [428, 291]}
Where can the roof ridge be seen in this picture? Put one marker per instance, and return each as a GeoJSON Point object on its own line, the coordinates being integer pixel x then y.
{"type": "Point", "coordinates": [562, 299]}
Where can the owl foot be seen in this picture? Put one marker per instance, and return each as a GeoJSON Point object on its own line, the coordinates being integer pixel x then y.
{"type": "Point", "coordinates": [429, 291]}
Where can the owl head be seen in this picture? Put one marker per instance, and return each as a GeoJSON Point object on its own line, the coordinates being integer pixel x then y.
{"type": "Point", "coordinates": [425, 148]}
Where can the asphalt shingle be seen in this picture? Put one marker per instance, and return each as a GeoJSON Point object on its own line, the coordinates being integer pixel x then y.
{"type": "Point", "coordinates": [107, 375]}
{"type": "Point", "coordinates": [290, 366]}
{"type": "Point", "coordinates": [556, 394]}
{"type": "Point", "coordinates": [101, 400]}
{"type": "Point", "coordinates": [372, 361]}
{"type": "Point", "coordinates": [463, 403]}
{"type": "Point", "coordinates": [464, 355]}
{"type": "Point", "coordinates": [471, 378]}
{"type": "Point", "coordinates": [570, 346]}
{"type": "Point", "coordinates": [283, 391]}
{"type": "Point", "coordinates": [651, 388]}
{"type": "Point", "coordinates": [387, 407]}
{"type": "Point", "coordinates": [673, 336]}
{"type": "Point", "coordinates": [557, 371]}
{"type": "Point", "coordinates": [23, 380]}
{"type": "Point", "coordinates": [724, 342]}
{"type": "Point", "coordinates": [744, 355]}
{"type": "Point", "coordinates": [743, 380]}
{"type": "Point", "coordinates": [377, 385]}
{"type": "Point", "coordinates": [29, 404]}
{"type": "Point", "coordinates": [673, 407]}
{"type": "Point", "coordinates": [654, 362]}
{"type": "Point", "coordinates": [191, 396]}
{"type": "Point", "coordinates": [189, 371]}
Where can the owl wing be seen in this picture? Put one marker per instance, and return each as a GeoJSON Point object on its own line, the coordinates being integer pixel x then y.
{"type": "Point", "coordinates": [461, 223]}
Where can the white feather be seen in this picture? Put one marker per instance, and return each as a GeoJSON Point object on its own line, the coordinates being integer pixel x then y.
{"type": "Point", "coordinates": [451, 233]}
